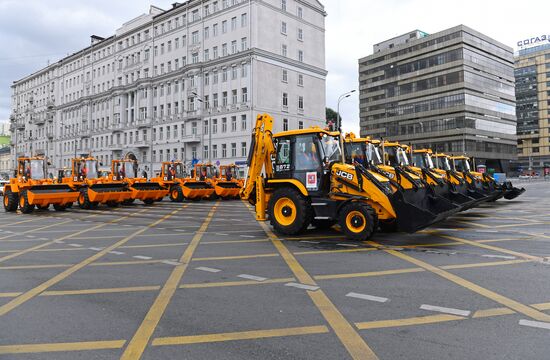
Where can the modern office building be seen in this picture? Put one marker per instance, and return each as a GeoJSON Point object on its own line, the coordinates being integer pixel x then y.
{"type": "Point", "coordinates": [533, 100]}
{"type": "Point", "coordinates": [452, 91]}
{"type": "Point", "coordinates": [184, 83]}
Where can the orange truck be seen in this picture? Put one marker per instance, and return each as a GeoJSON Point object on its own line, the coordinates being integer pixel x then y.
{"type": "Point", "coordinates": [93, 189]}
{"type": "Point", "coordinates": [146, 191]}
{"type": "Point", "coordinates": [172, 176]}
{"type": "Point", "coordinates": [30, 188]}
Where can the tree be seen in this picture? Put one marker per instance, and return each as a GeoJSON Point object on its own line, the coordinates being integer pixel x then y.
{"type": "Point", "coordinates": [331, 118]}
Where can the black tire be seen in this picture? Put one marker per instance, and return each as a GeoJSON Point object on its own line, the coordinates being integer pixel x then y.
{"type": "Point", "coordinates": [43, 207]}
{"type": "Point", "coordinates": [60, 207]}
{"type": "Point", "coordinates": [11, 201]}
{"type": "Point", "coordinates": [357, 221]}
{"type": "Point", "coordinates": [148, 201]}
{"type": "Point", "coordinates": [24, 205]}
{"type": "Point", "coordinates": [389, 226]}
{"type": "Point", "coordinates": [289, 212]}
{"type": "Point", "coordinates": [128, 202]}
{"type": "Point", "coordinates": [94, 205]}
{"type": "Point", "coordinates": [112, 204]}
{"type": "Point", "coordinates": [83, 200]}
{"type": "Point", "coordinates": [323, 224]}
{"type": "Point", "coordinates": [176, 193]}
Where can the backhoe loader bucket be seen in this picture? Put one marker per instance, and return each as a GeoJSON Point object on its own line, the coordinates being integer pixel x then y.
{"type": "Point", "coordinates": [226, 189]}
{"type": "Point", "coordinates": [418, 209]}
{"type": "Point", "coordinates": [43, 195]}
{"type": "Point", "coordinates": [455, 196]}
{"type": "Point", "coordinates": [197, 189]}
{"type": "Point", "coordinates": [146, 191]}
{"type": "Point", "coordinates": [112, 192]}
{"type": "Point", "coordinates": [512, 192]}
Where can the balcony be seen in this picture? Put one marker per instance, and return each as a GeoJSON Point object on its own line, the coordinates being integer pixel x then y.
{"type": "Point", "coordinates": [50, 104]}
{"type": "Point", "coordinates": [38, 120]}
{"type": "Point", "coordinates": [50, 134]}
{"type": "Point", "coordinates": [194, 138]}
{"type": "Point", "coordinates": [21, 125]}
{"type": "Point", "coordinates": [117, 127]}
{"type": "Point", "coordinates": [141, 144]}
{"type": "Point", "coordinates": [116, 147]}
{"type": "Point", "coordinates": [144, 123]}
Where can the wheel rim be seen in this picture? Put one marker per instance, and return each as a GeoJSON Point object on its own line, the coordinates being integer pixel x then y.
{"type": "Point", "coordinates": [175, 194]}
{"type": "Point", "coordinates": [81, 198]}
{"type": "Point", "coordinates": [6, 200]}
{"type": "Point", "coordinates": [356, 221]}
{"type": "Point", "coordinates": [22, 201]}
{"type": "Point", "coordinates": [285, 211]}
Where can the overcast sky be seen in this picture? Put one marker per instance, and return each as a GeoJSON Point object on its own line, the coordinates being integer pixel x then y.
{"type": "Point", "coordinates": [35, 31]}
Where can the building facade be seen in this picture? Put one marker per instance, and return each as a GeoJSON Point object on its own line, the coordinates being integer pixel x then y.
{"type": "Point", "coordinates": [533, 100]}
{"type": "Point", "coordinates": [184, 83]}
{"type": "Point", "coordinates": [452, 91]}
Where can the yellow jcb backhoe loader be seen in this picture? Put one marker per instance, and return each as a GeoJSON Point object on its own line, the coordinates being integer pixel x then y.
{"type": "Point", "coordinates": [146, 191]}
{"type": "Point", "coordinates": [30, 188]}
{"type": "Point", "coordinates": [390, 160]}
{"type": "Point", "coordinates": [297, 178]}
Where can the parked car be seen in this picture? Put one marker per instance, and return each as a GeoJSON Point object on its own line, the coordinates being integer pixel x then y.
{"type": "Point", "coordinates": [2, 183]}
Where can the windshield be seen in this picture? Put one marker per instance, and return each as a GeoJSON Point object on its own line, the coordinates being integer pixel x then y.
{"type": "Point", "coordinates": [418, 160]}
{"type": "Point", "coordinates": [37, 169]}
{"type": "Point", "coordinates": [130, 169]}
{"type": "Point", "coordinates": [331, 147]}
{"type": "Point", "coordinates": [206, 172]}
{"type": "Point", "coordinates": [231, 172]}
{"type": "Point", "coordinates": [428, 161]}
{"type": "Point", "coordinates": [462, 165]}
{"type": "Point", "coordinates": [91, 165]}
{"type": "Point", "coordinates": [174, 170]}
{"type": "Point", "coordinates": [396, 156]}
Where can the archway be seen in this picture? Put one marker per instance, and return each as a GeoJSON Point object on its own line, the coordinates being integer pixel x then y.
{"type": "Point", "coordinates": [130, 156]}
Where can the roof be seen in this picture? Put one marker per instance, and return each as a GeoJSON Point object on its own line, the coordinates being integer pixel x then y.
{"type": "Point", "coordinates": [311, 130]}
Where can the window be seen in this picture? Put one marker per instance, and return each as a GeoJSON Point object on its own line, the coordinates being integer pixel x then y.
{"type": "Point", "coordinates": [300, 80]}
{"type": "Point", "coordinates": [195, 37]}
{"type": "Point", "coordinates": [285, 100]}
{"type": "Point", "coordinates": [214, 126]}
{"type": "Point", "coordinates": [243, 122]}
{"type": "Point", "coordinates": [233, 97]}
{"type": "Point", "coordinates": [244, 44]}
{"type": "Point", "coordinates": [285, 76]}
{"type": "Point", "coordinates": [300, 125]}
{"type": "Point", "coordinates": [224, 125]}
{"type": "Point", "coordinates": [194, 152]}
{"type": "Point", "coordinates": [215, 100]}
{"type": "Point", "coordinates": [195, 15]}
{"type": "Point", "coordinates": [300, 56]}
{"type": "Point", "coordinates": [224, 26]}
{"type": "Point", "coordinates": [233, 149]}
{"type": "Point", "coordinates": [206, 79]}
{"type": "Point", "coordinates": [233, 46]}
{"type": "Point", "coordinates": [224, 98]}
{"type": "Point", "coordinates": [215, 52]}
{"type": "Point", "coordinates": [224, 75]}
{"type": "Point", "coordinates": [300, 34]}
{"type": "Point", "coordinates": [283, 27]}
{"type": "Point", "coordinates": [169, 45]}
{"type": "Point", "coordinates": [215, 151]}
{"type": "Point", "coordinates": [300, 102]}
{"type": "Point", "coordinates": [206, 33]}
{"type": "Point", "coordinates": [244, 20]}
{"type": "Point", "coordinates": [194, 128]}
{"type": "Point", "coordinates": [183, 40]}
{"type": "Point", "coordinates": [244, 95]}
{"type": "Point", "coordinates": [205, 152]}
{"type": "Point", "coordinates": [300, 12]}
{"type": "Point", "coordinates": [215, 30]}
{"type": "Point", "coordinates": [206, 127]}
{"type": "Point", "coordinates": [285, 124]}
{"type": "Point", "coordinates": [244, 71]}
{"type": "Point", "coordinates": [283, 5]}
{"type": "Point", "coordinates": [224, 150]}
{"type": "Point", "coordinates": [195, 58]}
{"type": "Point", "coordinates": [284, 50]}
{"type": "Point", "coordinates": [224, 49]}
{"type": "Point", "coordinates": [243, 149]}
{"type": "Point", "coordinates": [234, 73]}
{"type": "Point", "coordinates": [233, 123]}
{"type": "Point", "coordinates": [233, 24]}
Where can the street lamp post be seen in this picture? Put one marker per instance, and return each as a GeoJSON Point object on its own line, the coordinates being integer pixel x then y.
{"type": "Point", "coordinates": [339, 121]}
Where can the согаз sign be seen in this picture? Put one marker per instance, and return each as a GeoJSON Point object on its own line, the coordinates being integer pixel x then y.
{"type": "Point", "coordinates": [534, 40]}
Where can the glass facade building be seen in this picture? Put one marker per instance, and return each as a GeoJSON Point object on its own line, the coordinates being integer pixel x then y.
{"type": "Point", "coordinates": [452, 91]}
{"type": "Point", "coordinates": [532, 74]}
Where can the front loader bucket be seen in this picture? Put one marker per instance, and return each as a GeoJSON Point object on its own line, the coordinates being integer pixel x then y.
{"type": "Point", "coordinates": [148, 191]}
{"type": "Point", "coordinates": [511, 191]}
{"type": "Point", "coordinates": [418, 209]}
{"type": "Point", "coordinates": [197, 189]}
{"type": "Point", "coordinates": [43, 195]}
{"type": "Point", "coordinates": [227, 189]}
{"type": "Point", "coordinates": [110, 192]}
{"type": "Point", "coordinates": [455, 196]}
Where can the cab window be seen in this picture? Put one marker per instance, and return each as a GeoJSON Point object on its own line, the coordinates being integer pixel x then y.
{"type": "Point", "coordinates": [282, 160]}
{"type": "Point", "coordinates": [306, 154]}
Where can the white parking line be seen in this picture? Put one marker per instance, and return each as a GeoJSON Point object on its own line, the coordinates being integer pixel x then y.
{"type": "Point", "coordinates": [208, 269]}
{"type": "Point", "coordinates": [247, 236]}
{"type": "Point", "coordinates": [499, 256]}
{"type": "Point", "coordinates": [168, 262]}
{"type": "Point", "coordinates": [142, 257]}
{"type": "Point", "coordinates": [535, 324]}
{"type": "Point", "coordinates": [221, 234]}
{"type": "Point", "coordinates": [309, 242]}
{"type": "Point", "coordinates": [446, 310]}
{"type": "Point", "coordinates": [96, 248]}
{"type": "Point", "coordinates": [302, 286]}
{"type": "Point", "coordinates": [367, 297]}
{"type": "Point", "coordinates": [486, 231]}
{"type": "Point", "coordinates": [252, 277]}
{"type": "Point", "coordinates": [116, 252]}
{"type": "Point", "coordinates": [348, 245]}
{"type": "Point", "coordinates": [75, 245]}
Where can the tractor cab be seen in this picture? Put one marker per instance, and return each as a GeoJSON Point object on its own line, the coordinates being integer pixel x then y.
{"type": "Point", "coordinates": [172, 170]}
{"type": "Point", "coordinates": [204, 172]}
{"type": "Point", "coordinates": [461, 164]}
{"type": "Point", "coordinates": [229, 172]}
{"type": "Point", "coordinates": [441, 162]}
{"type": "Point", "coordinates": [31, 169]}
{"type": "Point", "coordinates": [124, 169]}
{"type": "Point", "coordinates": [85, 169]}
{"type": "Point", "coordinates": [422, 159]}
{"type": "Point", "coordinates": [306, 156]}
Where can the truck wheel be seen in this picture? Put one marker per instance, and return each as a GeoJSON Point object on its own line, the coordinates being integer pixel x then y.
{"type": "Point", "coordinates": [10, 201]}
{"type": "Point", "coordinates": [148, 201]}
{"type": "Point", "coordinates": [128, 202]}
{"type": "Point", "coordinates": [176, 193]}
{"type": "Point", "coordinates": [357, 221]}
{"type": "Point", "coordinates": [289, 212]}
{"type": "Point", "coordinates": [24, 205]}
{"type": "Point", "coordinates": [59, 207]}
{"type": "Point", "coordinates": [43, 207]}
{"type": "Point", "coordinates": [388, 226]}
{"type": "Point", "coordinates": [83, 200]}
{"type": "Point", "coordinates": [112, 204]}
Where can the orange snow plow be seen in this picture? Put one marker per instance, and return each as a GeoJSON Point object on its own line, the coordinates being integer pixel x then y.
{"type": "Point", "coordinates": [173, 177]}
{"type": "Point", "coordinates": [146, 191]}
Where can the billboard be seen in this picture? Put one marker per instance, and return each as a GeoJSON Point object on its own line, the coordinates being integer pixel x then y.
{"type": "Point", "coordinates": [533, 41]}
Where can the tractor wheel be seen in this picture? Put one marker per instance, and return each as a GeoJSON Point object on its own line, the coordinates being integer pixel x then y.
{"type": "Point", "coordinates": [357, 221]}
{"type": "Point", "coordinates": [94, 205]}
{"type": "Point", "coordinates": [323, 224]}
{"type": "Point", "coordinates": [83, 200]}
{"type": "Point", "coordinates": [43, 207]}
{"type": "Point", "coordinates": [176, 193]}
{"type": "Point", "coordinates": [388, 226]}
{"type": "Point", "coordinates": [148, 201]}
{"type": "Point", "coordinates": [112, 204]}
{"type": "Point", "coordinates": [128, 202]}
{"type": "Point", "coordinates": [60, 207]}
{"type": "Point", "coordinates": [10, 201]}
{"type": "Point", "coordinates": [289, 212]}
{"type": "Point", "coordinates": [24, 205]}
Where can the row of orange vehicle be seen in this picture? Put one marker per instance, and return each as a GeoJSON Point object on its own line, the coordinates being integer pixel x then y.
{"type": "Point", "coordinates": [85, 185]}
